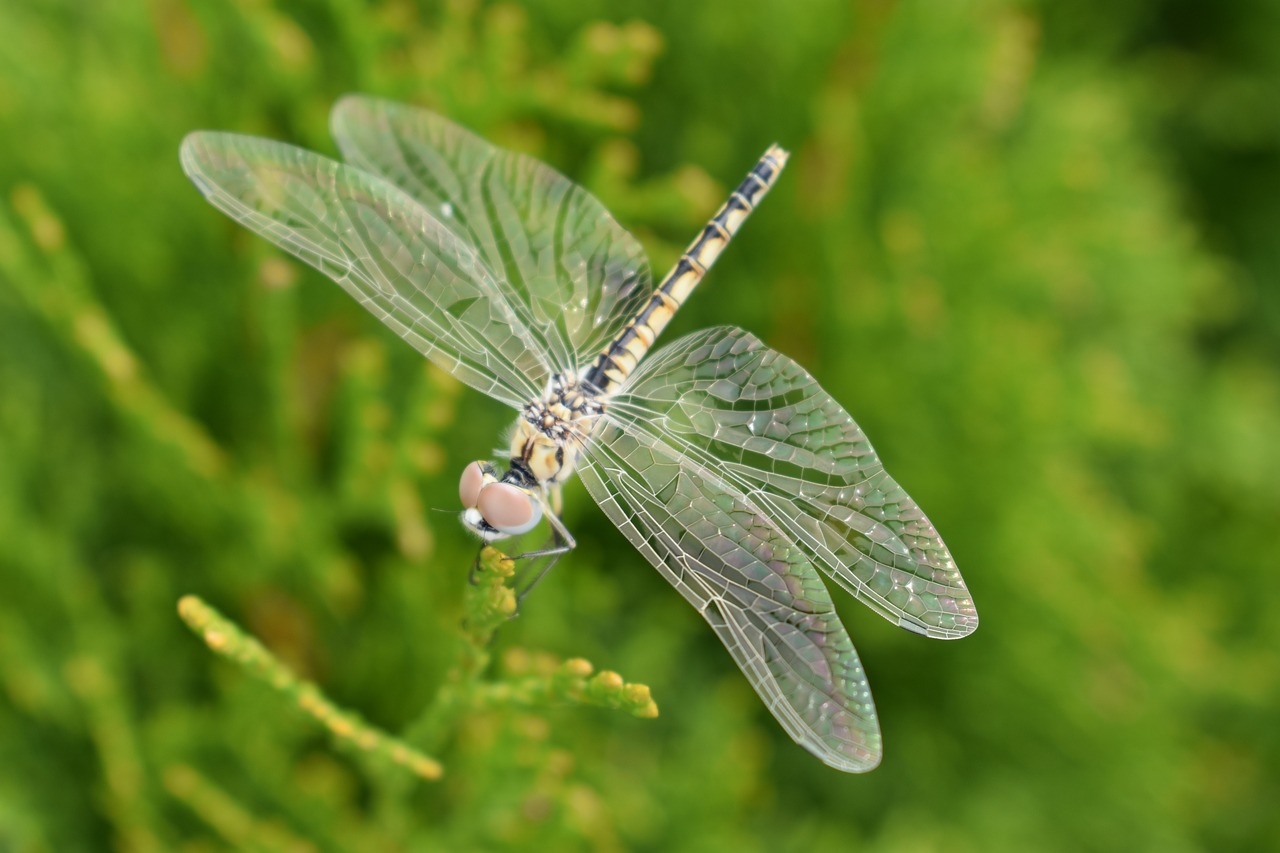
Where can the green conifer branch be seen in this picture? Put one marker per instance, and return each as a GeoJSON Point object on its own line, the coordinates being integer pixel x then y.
{"type": "Point", "coordinates": [228, 817]}
{"type": "Point", "coordinates": [47, 274]}
{"type": "Point", "coordinates": [570, 681]}
{"type": "Point", "coordinates": [227, 639]}
{"type": "Point", "coordinates": [490, 603]}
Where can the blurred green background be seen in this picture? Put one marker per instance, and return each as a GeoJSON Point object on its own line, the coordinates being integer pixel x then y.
{"type": "Point", "coordinates": [1031, 246]}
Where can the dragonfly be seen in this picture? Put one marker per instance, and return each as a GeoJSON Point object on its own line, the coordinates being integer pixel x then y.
{"type": "Point", "coordinates": [723, 461]}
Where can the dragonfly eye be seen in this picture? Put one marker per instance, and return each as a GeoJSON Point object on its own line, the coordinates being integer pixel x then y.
{"type": "Point", "coordinates": [508, 509]}
{"type": "Point", "coordinates": [472, 483]}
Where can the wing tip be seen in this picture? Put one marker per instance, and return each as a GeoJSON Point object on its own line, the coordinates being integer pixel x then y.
{"type": "Point", "coordinates": [189, 147]}
{"type": "Point", "coordinates": [957, 627]}
{"type": "Point", "coordinates": [966, 623]}
{"type": "Point", "coordinates": [193, 154]}
{"type": "Point", "coordinates": [863, 763]}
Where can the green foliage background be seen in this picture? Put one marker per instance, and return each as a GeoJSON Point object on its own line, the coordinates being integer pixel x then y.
{"type": "Point", "coordinates": [1030, 245]}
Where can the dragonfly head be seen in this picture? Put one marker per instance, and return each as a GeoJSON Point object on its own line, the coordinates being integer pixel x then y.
{"type": "Point", "coordinates": [494, 507]}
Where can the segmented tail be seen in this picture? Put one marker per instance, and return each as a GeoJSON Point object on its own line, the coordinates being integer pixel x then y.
{"type": "Point", "coordinates": [618, 361]}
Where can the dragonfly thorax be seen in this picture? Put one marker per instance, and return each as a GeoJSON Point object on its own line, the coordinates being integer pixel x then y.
{"type": "Point", "coordinates": [550, 432]}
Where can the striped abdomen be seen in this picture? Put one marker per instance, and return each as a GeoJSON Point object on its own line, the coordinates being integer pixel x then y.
{"type": "Point", "coordinates": [617, 362]}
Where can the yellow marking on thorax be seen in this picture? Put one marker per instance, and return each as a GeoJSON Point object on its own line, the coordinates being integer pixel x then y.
{"type": "Point", "coordinates": [548, 438]}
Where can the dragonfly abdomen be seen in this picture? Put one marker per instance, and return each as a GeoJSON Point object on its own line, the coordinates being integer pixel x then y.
{"type": "Point", "coordinates": [620, 358]}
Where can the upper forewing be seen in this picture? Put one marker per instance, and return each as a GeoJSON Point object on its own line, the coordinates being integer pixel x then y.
{"type": "Point", "coordinates": [746, 577]}
{"type": "Point", "coordinates": [730, 403]}
{"type": "Point", "coordinates": [412, 273]}
{"type": "Point", "coordinates": [573, 274]}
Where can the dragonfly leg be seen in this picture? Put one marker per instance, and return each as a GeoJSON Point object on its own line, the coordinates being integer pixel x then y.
{"type": "Point", "coordinates": [474, 572]}
{"type": "Point", "coordinates": [561, 543]}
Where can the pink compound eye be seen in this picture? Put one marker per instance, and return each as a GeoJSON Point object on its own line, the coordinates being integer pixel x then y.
{"type": "Point", "coordinates": [472, 483]}
{"type": "Point", "coordinates": [512, 511]}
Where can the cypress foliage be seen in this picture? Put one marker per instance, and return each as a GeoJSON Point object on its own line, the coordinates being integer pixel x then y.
{"type": "Point", "coordinates": [1028, 245]}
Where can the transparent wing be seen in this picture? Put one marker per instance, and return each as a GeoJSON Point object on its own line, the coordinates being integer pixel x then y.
{"type": "Point", "coordinates": [566, 266]}
{"type": "Point", "coordinates": [725, 402]}
{"type": "Point", "coordinates": [724, 553]}
{"type": "Point", "coordinates": [395, 257]}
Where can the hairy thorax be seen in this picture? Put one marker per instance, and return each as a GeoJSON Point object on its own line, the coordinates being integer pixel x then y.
{"type": "Point", "coordinates": [551, 432]}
